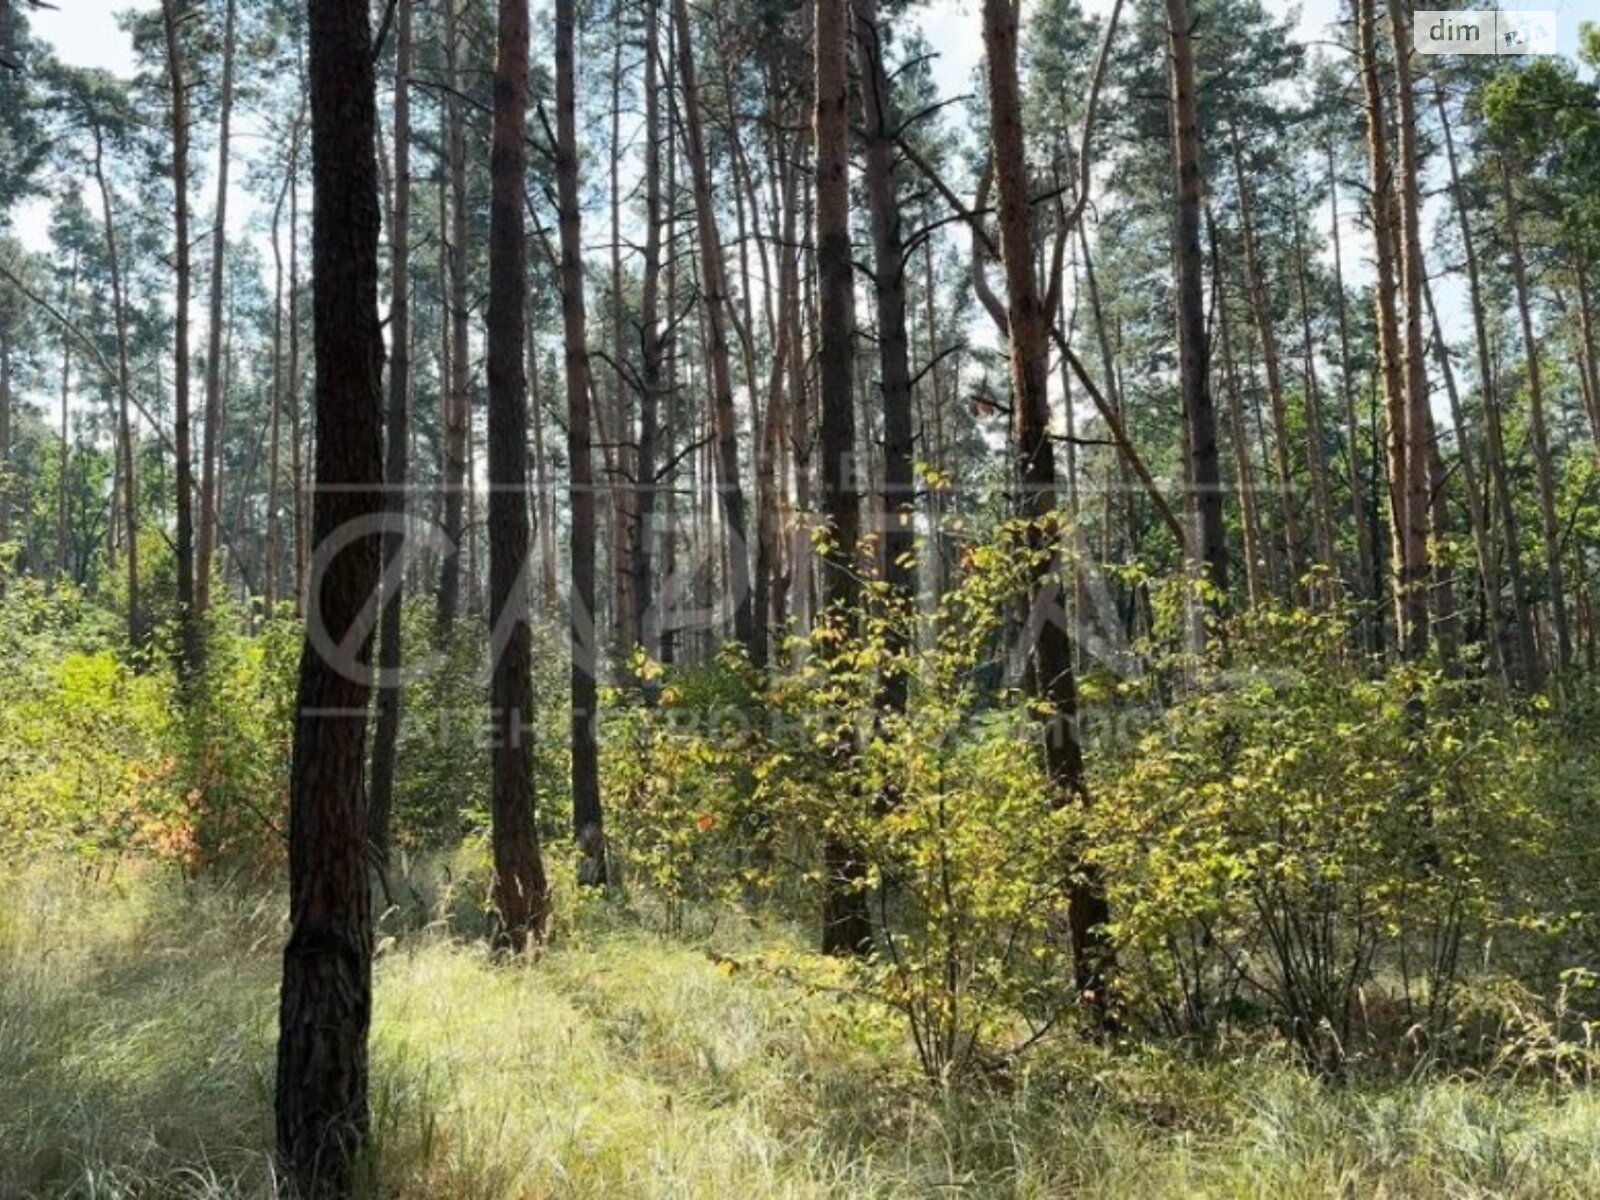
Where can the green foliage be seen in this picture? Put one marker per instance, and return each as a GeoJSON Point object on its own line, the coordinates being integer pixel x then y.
{"type": "Point", "coordinates": [442, 781]}
{"type": "Point", "coordinates": [88, 745]}
{"type": "Point", "coordinates": [1303, 842]}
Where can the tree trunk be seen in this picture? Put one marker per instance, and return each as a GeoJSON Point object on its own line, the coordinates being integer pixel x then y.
{"type": "Point", "coordinates": [1316, 447]}
{"type": "Point", "coordinates": [1488, 568]}
{"type": "Point", "coordinates": [713, 286]}
{"type": "Point", "coordinates": [846, 926]}
{"type": "Point", "coordinates": [1365, 583]}
{"type": "Point", "coordinates": [1262, 309]}
{"type": "Point", "coordinates": [898, 507]}
{"type": "Point", "coordinates": [1199, 412]}
{"type": "Point", "coordinates": [519, 893]}
{"type": "Point", "coordinates": [297, 466]}
{"type": "Point", "coordinates": [1398, 258]}
{"type": "Point", "coordinates": [190, 646]}
{"type": "Point", "coordinates": [1494, 436]}
{"type": "Point", "coordinates": [326, 1000]}
{"type": "Point", "coordinates": [1244, 469]}
{"type": "Point", "coordinates": [210, 487]}
{"type": "Point", "coordinates": [456, 414]}
{"type": "Point", "coordinates": [587, 823]}
{"type": "Point", "coordinates": [1051, 678]}
{"type": "Point", "coordinates": [652, 347]}
{"type": "Point", "coordinates": [1538, 432]}
{"type": "Point", "coordinates": [398, 434]}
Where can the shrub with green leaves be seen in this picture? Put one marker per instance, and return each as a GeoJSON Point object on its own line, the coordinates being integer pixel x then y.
{"type": "Point", "coordinates": [1303, 842]}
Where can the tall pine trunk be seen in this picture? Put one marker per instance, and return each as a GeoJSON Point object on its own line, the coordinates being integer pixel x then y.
{"type": "Point", "coordinates": [190, 646]}
{"type": "Point", "coordinates": [714, 289]}
{"type": "Point", "coordinates": [1210, 545]}
{"type": "Point", "coordinates": [587, 823]}
{"type": "Point", "coordinates": [520, 891]}
{"type": "Point", "coordinates": [398, 435]}
{"type": "Point", "coordinates": [210, 486]}
{"type": "Point", "coordinates": [326, 1000]}
{"type": "Point", "coordinates": [1050, 677]}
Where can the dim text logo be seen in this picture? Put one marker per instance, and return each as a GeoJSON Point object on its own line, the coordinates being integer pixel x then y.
{"type": "Point", "coordinates": [1484, 31]}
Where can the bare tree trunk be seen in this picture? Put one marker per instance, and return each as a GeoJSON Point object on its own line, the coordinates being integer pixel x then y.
{"type": "Point", "coordinates": [1051, 677]}
{"type": "Point", "coordinates": [897, 510]}
{"type": "Point", "coordinates": [587, 820]}
{"type": "Point", "coordinates": [1316, 447]}
{"type": "Point", "coordinates": [1210, 544]}
{"type": "Point", "coordinates": [520, 890]}
{"type": "Point", "coordinates": [1539, 436]}
{"type": "Point", "coordinates": [296, 417]}
{"type": "Point", "coordinates": [326, 1000]}
{"type": "Point", "coordinates": [210, 487]}
{"type": "Point", "coordinates": [191, 646]}
{"type": "Point", "coordinates": [846, 926]}
{"type": "Point", "coordinates": [1397, 220]}
{"type": "Point", "coordinates": [5, 430]}
{"type": "Point", "coordinates": [1244, 469]}
{"type": "Point", "coordinates": [713, 285]}
{"type": "Point", "coordinates": [1494, 437]}
{"type": "Point", "coordinates": [62, 539]}
{"type": "Point", "coordinates": [456, 414]}
{"type": "Point", "coordinates": [272, 567]}
{"type": "Point", "coordinates": [545, 500]}
{"type": "Point", "coordinates": [1262, 308]}
{"type": "Point", "coordinates": [1366, 585]}
{"type": "Point", "coordinates": [652, 346]}
{"type": "Point", "coordinates": [398, 434]}
{"type": "Point", "coordinates": [1488, 567]}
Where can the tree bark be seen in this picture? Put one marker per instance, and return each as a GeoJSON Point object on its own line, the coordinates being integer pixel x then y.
{"type": "Point", "coordinates": [326, 1000]}
{"type": "Point", "coordinates": [587, 821]}
{"type": "Point", "coordinates": [456, 411]}
{"type": "Point", "coordinates": [1494, 436]}
{"type": "Point", "coordinates": [1538, 431]}
{"type": "Point", "coordinates": [1210, 540]}
{"type": "Point", "coordinates": [520, 891]}
{"type": "Point", "coordinates": [897, 509]}
{"type": "Point", "coordinates": [1366, 585]}
{"type": "Point", "coordinates": [210, 487]}
{"type": "Point", "coordinates": [190, 647]}
{"type": "Point", "coordinates": [846, 926]}
{"type": "Point", "coordinates": [1397, 232]}
{"type": "Point", "coordinates": [398, 435]}
{"type": "Point", "coordinates": [1051, 677]}
{"type": "Point", "coordinates": [714, 289]}
{"type": "Point", "coordinates": [1261, 307]}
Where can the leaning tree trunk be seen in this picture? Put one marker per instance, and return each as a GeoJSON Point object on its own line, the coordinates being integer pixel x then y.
{"type": "Point", "coordinates": [587, 821]}
{"type": "Point", "coordinates": [1051, 677]}
{"type": "Point", "coordinates": [326, 1001]}
{"type": "Point", "coordinates": [519, 892]}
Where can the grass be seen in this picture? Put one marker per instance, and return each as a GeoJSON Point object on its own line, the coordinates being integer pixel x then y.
{"type": "Point", "coordinates": [137, 1021]}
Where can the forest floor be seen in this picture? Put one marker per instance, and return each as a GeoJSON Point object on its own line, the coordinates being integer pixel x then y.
{"type": "Point", "coordinates": [136, 1059]}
